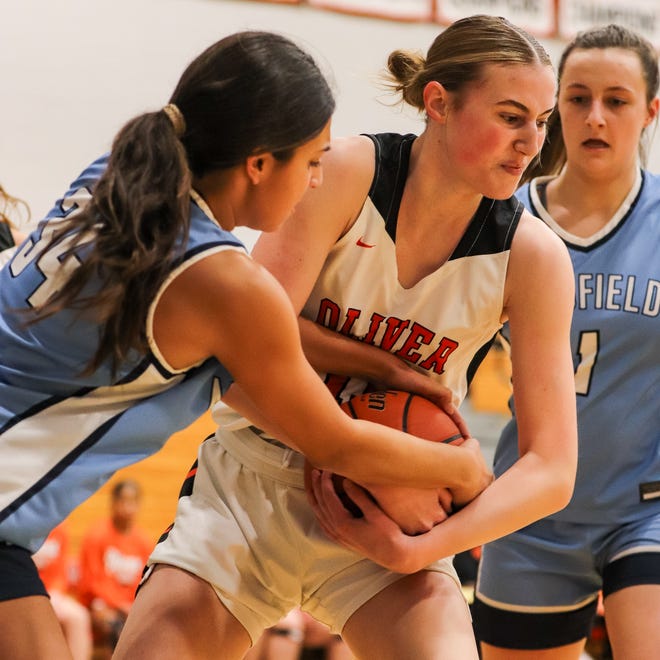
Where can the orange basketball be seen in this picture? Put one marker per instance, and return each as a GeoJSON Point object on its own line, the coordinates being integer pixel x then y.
{"type": "Point", "coordinates": [403, 411]}
{"type": "Point", "coordinates": [406, 412]}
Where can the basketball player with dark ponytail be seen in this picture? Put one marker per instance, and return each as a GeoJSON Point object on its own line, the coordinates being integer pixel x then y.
{"type": "Point", "coordinates": [132, 306]}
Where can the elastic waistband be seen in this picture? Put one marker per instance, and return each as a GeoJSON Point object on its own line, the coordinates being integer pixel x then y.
{"type": "Point", "coordinates": [279, 463]}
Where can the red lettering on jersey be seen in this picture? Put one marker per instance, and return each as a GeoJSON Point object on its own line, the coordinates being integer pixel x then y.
{"type": "Point", "coordinates": [376, 320]}
{"type": "Point", "coordinates": [328, 314]}
{"type": "Point", "coordinates": [418, 335]}
{"type": "Point", "coordinates": [352, 315]}
{"type": "Point", "coordinates": [438, 358]}
{"type": "Point", "coordinates": [396, 331]}
{"type": "Point", "coordinates": [395, 328]}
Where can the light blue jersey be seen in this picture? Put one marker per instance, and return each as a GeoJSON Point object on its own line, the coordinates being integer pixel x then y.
{"type": "Point", "coordinates": [615, 338]}
{"type": "Point", "coordinates": [62, 435]}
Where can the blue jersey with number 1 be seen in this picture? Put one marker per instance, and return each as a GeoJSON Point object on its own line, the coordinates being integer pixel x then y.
{"type": "Point", "coordinates": [62, 435]}
{"type": "Point", "coordinates": [615, 339]}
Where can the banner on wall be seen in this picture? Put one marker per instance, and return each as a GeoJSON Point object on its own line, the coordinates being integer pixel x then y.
{"type": "Point", "coordinates": [402, 10]}
{"type": "Point", "coordinates": [643, 16]}
{"type": "Point", "coordinates": [538, 17]}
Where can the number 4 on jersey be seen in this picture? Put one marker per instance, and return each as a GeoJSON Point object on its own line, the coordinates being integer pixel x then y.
{"type": "Point", "coordinates": [49, 263]}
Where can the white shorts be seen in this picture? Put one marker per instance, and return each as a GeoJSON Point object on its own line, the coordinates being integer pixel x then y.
{"type": "Point", "coordinates": [246, 527]}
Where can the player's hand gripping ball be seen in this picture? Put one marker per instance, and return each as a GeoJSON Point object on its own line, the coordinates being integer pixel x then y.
{"type": "Point", "coordinates": [403, 411]}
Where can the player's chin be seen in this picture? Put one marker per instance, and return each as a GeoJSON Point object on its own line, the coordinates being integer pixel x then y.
{"type": "Point", "coordinates": [505, 185]}
{"type": "Point", "coordinates": [273, 222]}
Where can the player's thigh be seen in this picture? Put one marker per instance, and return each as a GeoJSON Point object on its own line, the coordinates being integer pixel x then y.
{"type": "Point", "coordinates": [28, 625]}
{"type": "Point", "coordinates": [633, 622]}
{"type": "Point", "coordinates": [29, 629]}
{"type": "Point", "coordinates": [631, 585]}
{"type": "Point", "coordinates": [178, 615]}
{"type": "Point", "coordinates": [422, 616]}
{"type": "Point", "coordinates": [631, 588]}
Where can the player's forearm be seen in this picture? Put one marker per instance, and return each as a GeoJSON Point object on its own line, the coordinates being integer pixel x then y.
{"type": "Point", "coordinates": [237, 399]}
{"type": "Point", "coordinates": [528, 491]}
{"type": "Point", "coordinates": [332, 352]}
{"type": "Point", "coordinates": [393, 462]}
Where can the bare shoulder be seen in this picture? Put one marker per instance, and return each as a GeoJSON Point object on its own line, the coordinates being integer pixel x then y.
{"type": "Point", "coordinates": [539, 263]}
{"type": "Point", "coordinates": [534, 239]}
{"type": "Point", "coordinates": [297, 250]}
{"type": "Point", "coordinates": [230, 274]}
{"type": "Point", "coordinates": [219, 286]}
{"type": "Point", "coordinates": [348, 169]}
{"type": "Point", "coordinates": [223, 297]}
{"type": "Point", "coordinates": [355, 153]}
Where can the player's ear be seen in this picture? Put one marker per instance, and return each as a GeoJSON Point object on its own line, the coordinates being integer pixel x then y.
{"type": "Point", "coordinates": [654, 106]}
{"type": "Point", "coordinates": [258, 167]}
{"type": "Point", "coordinates": [436, 101]}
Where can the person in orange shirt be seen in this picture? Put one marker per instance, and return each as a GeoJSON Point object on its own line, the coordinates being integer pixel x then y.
{"type": "Point", "coordinates": [112, 556]}
{"type": "Point", "coordinates": [52, 560]}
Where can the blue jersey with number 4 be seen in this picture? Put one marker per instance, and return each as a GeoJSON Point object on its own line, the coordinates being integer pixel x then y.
{"type": "Point", "coordinates": [615, 339]}
{"type": "Point", "coordinates": [62, 434]}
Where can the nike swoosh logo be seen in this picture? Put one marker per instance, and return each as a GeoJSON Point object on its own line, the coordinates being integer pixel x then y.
{"type": "Point", "coordinates": [361, 243]}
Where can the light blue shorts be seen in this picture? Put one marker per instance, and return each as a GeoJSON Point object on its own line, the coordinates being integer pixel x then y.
{"type": "Point", "coordinates": [555, 566]}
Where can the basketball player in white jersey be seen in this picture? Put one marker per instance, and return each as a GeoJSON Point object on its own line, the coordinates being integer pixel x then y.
{"type": "Point", "coordinates": [538, 589]}
{"type": "Point", "coordinates": [405, 263]}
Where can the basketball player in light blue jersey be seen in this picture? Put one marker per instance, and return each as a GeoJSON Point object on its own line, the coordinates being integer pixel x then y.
{"type": "Point", "coordinates": [537, 590]}
{"type": "Point", "coordinates": [126, 311]}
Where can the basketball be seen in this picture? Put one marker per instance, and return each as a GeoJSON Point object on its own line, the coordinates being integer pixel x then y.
{"type": "Point", "coordinates": [406, 412]}
{"type": "Point", "coordinates": [403, 411]}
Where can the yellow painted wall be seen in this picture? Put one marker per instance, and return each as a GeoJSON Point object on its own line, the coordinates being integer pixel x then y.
{"type": "Point", "coordinates": [160, 475]}
{"type": "Point", "coordinates": [491, 386]}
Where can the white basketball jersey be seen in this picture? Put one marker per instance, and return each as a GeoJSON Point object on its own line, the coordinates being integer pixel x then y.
{"type": "Point", "coordinates": [444, 324]}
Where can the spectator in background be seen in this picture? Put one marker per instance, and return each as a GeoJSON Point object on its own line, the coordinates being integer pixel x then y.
{"type": "Point", "coordinates": [112, 556]}
{"type": "Point", "coordinates": [52, 560]}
